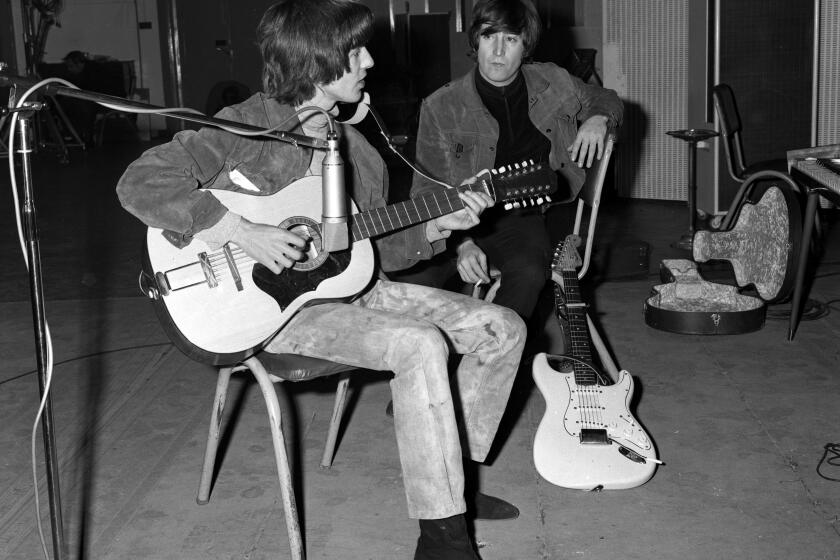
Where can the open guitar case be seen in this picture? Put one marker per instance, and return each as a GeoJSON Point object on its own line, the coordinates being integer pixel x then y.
{"type": "Point", "coordinates": [761, 238]}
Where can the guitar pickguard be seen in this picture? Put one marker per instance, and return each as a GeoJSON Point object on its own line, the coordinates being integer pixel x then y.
{"type": "Point", "coordinates": [289, 284]}
{"type": "Point", "coordinates": [604, 407]}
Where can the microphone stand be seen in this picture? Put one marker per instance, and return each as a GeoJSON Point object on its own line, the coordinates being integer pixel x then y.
{"type": "Point", "coordinates": [30, 229]}
{"type": "Point", "coordinates": [33, 252]}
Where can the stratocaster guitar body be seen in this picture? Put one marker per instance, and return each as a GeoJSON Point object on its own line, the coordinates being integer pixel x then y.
{"type": "Point", "coordinates": [587, 438]}
{"type": "Point", "coordinates": [560, 454]}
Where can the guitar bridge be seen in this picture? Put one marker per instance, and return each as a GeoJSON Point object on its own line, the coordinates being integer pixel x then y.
{"type": "Point", "coordinates": [594, 436]}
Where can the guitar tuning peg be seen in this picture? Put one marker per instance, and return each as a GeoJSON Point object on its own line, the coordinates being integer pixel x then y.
{"type": "Point", "coordinates": [540, 200]}
{"type": "Point", "coordinates": [517, 204]}
{"type": "Point", "coordinates": [502, 169]}
{"type": "Point", "coordinates": [548, 198]}
{"type": "Point", "coordinates": [508, 205]}
{"type": "Point", "coordinates": [494, 172]}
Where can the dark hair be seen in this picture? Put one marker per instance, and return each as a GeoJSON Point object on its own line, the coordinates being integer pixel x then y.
{"type": "Point", "coordinates": [75, 56]}
{"type": "Point", "coordinates": [307, 42]}
{"type": "Point", "coordinates": [508, 16]}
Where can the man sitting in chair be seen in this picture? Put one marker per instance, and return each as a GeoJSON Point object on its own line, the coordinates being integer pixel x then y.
{"type": "Point", "coordinates": [500, 113]}
{"type": "Point", "coordinates": [314, 56]}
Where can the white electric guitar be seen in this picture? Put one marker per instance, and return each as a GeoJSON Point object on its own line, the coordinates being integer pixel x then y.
{"type": "Point", "coordinates": [219, 307]}
{"type": "Point", "coordinates": [587, 438]}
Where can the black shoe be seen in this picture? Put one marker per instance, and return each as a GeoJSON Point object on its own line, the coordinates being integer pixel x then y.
{"type": "Point", "coordinates": [482, 506]}
{"type": "Point", "coordinates": [490, 507]}
{"type": "Point", "coordinates": [445, 539]}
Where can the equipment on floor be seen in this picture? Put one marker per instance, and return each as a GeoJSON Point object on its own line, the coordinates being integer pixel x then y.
{"type": "Point", "coordinates": [760, 237]}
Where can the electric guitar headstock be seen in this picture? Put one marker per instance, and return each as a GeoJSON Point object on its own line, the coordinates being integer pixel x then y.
{"type": "Point", "coordinates": [566, 259]}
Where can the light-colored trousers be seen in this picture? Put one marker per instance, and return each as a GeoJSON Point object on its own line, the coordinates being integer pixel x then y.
{"type": "Point", "coordinates": [409, 329]}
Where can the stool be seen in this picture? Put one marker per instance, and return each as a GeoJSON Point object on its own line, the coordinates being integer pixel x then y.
{"type": "Point", "coordinates": [691, 136]}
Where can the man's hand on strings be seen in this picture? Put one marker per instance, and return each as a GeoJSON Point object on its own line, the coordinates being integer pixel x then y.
{"type": "Point", "coordinates": [274, 247]}
{"type": "Point", "coordinates": [474, 204]}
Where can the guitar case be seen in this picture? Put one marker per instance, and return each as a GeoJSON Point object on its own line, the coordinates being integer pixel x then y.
{"type": "Point", "coordinates": [762, 245]}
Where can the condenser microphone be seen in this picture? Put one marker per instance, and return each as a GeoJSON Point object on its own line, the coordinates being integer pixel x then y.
{"type": "Point", "coordinates": [334, 198]}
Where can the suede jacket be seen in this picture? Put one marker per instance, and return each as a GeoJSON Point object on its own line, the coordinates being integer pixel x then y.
{"type": "Point", "coordinates": [457, 136]}
{"type": "Point", "coordinates": [165, 187]}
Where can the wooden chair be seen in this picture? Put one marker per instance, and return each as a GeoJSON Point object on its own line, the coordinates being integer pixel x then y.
{"type": "Point", "coordinates": [283, 367]}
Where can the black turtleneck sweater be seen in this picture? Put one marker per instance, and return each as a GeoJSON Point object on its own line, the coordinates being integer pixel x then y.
{"type": "Point", "coordinates": [519, 139]}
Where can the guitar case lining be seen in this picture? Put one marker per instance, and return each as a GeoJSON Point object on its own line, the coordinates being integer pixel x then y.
{"type": "Point", "coordinates": [762, 246]}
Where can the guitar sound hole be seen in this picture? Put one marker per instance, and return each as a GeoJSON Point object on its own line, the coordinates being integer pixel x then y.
{"type": "Point", "coordinates": [310, 230]}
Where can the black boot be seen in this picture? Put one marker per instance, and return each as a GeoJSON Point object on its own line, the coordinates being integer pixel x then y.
{"type": "Point", "coordinates": [482, 506]}
{"type": "Point", "coordinates": [445, 539]}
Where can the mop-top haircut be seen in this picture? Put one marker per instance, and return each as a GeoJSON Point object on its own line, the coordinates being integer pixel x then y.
{"type": "Point", "coordinates": [518, 17]}
{"type": "Point", "coordinates": [305, 43]}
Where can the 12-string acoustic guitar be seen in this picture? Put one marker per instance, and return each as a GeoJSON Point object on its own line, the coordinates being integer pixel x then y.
{"type": "Point", "coordinates": [219, 307]}
{"type": "Point", "coordinates": [587, 438]}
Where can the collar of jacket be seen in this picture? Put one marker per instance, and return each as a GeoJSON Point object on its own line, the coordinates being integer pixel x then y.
{"type": "Point", "coordinates": [534, 82]}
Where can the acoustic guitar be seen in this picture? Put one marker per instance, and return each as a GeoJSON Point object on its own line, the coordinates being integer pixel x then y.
{"type": "Point", "coordinates": [587, 438]}
{"type": "Point", "coordinates": [219, 307]}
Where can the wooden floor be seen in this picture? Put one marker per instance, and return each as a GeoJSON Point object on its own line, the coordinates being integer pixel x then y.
{"type": "Point", "coordinates": [740, 421]}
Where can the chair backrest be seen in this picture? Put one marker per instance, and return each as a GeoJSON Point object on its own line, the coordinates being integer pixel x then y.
{"type": "Point", "coordinates": [590, 197]}
{"type": "Point", "coordinates": [730, 128]}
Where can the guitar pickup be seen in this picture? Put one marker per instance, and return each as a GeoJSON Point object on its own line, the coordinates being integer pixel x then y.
{"type": "Point", "coordinates": [594, 436]}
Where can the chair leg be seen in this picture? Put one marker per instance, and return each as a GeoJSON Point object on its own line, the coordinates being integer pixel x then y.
{"type": "Point", "coordinates": [283, 471]}
{"type": "Point", "coordinates": [335, 421]}
{"type": "Point", "coordinates": [213, 436]}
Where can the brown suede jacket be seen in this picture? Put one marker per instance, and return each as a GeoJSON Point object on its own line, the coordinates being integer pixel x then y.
{"type": "Point", "coordinates": [457, 135]}
{"type": "Point", "coordinates": [167, 187]}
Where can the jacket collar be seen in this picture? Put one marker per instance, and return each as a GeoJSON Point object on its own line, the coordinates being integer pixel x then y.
{"type": "Point", "coordinates": [535, 83]}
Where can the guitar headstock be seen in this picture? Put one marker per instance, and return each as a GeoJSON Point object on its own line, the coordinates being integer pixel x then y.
{"type": "Point", "coordinates": [520, 184]}
{"type": "Point", "coordinates": [566, 256]}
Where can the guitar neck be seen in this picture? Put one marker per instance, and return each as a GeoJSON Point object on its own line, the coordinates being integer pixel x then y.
{"type": "Point", "coordinates": [379, 221]}
{"type": "Point", "coordinates": [570, 298]}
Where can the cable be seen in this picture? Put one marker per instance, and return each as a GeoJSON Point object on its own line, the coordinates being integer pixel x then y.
{"type": "Point", "coordinates": [48, 366]}
{"type": "Point", "coordinates": [84, 357]}
{"type": "Point", "coordinates": [390, 145]}
{"type": "Point", "coordinates": [812, 310]}
{"type": "Point", "coordinates": [833, 460]}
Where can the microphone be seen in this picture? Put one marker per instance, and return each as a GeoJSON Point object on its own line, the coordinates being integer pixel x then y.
{"type": "Point", "coordinates": [334, 199]}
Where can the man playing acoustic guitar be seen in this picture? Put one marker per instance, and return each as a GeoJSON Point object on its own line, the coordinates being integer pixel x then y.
{"type": "Point", "coordinates": [314, 56]}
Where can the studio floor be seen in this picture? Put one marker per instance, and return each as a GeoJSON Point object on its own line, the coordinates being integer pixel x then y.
{"type": "Point", "coordinates": [740, 421]}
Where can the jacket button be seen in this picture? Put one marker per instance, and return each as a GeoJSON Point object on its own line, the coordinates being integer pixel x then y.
{"type": "Point", "coordinates": [548, 130]}
{"type": "Point", "coordinates": [492, 149]}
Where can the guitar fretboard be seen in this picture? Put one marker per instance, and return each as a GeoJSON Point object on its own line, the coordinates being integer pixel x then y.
{"type": "Point", "coordinates": [379, 221]}
{"type": "Point", "coordinates": [570, 298]}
